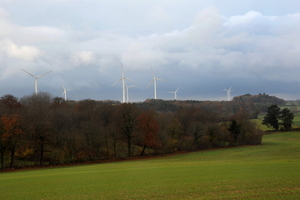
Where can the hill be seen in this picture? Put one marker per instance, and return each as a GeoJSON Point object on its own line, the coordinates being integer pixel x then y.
{"type": "Point", "coordinates": [262, 101]}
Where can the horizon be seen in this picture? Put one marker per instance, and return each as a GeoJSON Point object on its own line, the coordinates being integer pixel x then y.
{"type": "Point", "coordinates": [202, 48]}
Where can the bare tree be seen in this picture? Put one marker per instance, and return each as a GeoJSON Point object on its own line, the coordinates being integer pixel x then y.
{"type": "Point", "coordinates": [127, 122]}
{"type": "Point", "coordinates": [38, 117]}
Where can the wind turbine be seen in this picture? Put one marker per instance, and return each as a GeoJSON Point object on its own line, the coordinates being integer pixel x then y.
{"type": "Point", "coordinates": [36, 80]}
{"type": "Point", "coordinates": [64, 94]}
{"type": "Point", "coordinates": [123, 83]}
{"type": "Point", "coordinates": [127, 93]}
{"type": "Point", "coordinates": [228, 92]}
{"type": "Point", "coordinates": [175, 93]}
{"type": "Point", "coordinates": [154, 82]}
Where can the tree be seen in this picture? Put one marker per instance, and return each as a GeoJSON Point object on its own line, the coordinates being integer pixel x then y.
{"type": "Point", "coordinates": [57, 101]}
{"type": "Point", "coordinates": [287, 119]}
{"type": "Point", "coordinates": [149, 128]}
{"type": "Point", "coordinates": [185, 116]}
{"type": "Point", "coordinates": [174, 130]}
{"type": "Point", "coordinates": [128, 114]}
{"type": "Point", "coordinates": [11, 134]}
{"type": "Point", "coordinates": [3, 145]}
{"type": "Point", "coordinates": [271, 119]}
{"type": "Point", "coordinates": [10, 101]}
{"type": "Point", "coordinates": [39, 126]}
{"type": "Point", "coordinates": [108, 116]}
{"type": "Point", "coordinates": [274, 115]}
{"type": "Point", "coordinates": [235, 129]}
{"type": "Point", "coordinates": [244, 130]}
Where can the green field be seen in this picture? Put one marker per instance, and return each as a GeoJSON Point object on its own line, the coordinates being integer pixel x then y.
{"type": "Point", "coordinates": [261, 126]}
{"type": "Point", "coordinates": [267, 171]}
{"type": "Point", "coordinates": [296, 119]}
{"type": "Point", "coordinates": [295, 109]}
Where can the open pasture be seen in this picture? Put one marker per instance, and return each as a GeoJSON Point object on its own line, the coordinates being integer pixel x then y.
{"type": "Point", "coordinates": [259, 124]}
{"type": "Point", "coordinates": [296, 119]}
{"type": "Point", "coordinates": [267, 171]}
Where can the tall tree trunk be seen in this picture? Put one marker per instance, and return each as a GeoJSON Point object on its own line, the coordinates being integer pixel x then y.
{"type": "Point", "coordinates": [12, 157]}
{"type": "Point", "coordinates": [129, 145]}
{"type": "Point", "coordinates": [42, 153]}
{"type": "Point", "coordinates": [115, 147]}
{"type": "Point", "coordinates": [143, 150]}
{"type": "Point", "coordinates": [2, 159]}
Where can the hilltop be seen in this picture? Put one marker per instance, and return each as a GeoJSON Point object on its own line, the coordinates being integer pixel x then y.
{"type": "Point", "coordinates": [262, 101]}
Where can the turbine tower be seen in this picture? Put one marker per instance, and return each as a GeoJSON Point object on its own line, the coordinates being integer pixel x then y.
{"type": "Point", "coordinates": [123, 83]}
{"type": "Point", "coordinates": [228, 93]}
{"type": "Point", "coordinates": [154, 82]}
{"type": "Point", "coordinates": [64, 94]}
{"type": "Point", "coordinates": [36, 80]}
{"type": "Point", "coordinates": [127, 93]}
{"type": "Point", "coordinates": [175, 94]}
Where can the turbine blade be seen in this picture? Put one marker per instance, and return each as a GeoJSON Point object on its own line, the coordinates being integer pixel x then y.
{"type": "Point", "coordinates": [44, 74]}
{"type": "Point", "coordinates": [160, 79]}
{"type": "Point", "coordinates": [150, 83]}
{"type": "Point", "coordinates": [116, 82]}
{"type": "Point", "coordinates": [152, 72]}
{"type": "Point", "coordinates": [177, 89]}
{"type": "Point", "coordinates": [28, 73]}
{"type": "Point", "coordinates": [129, 80]}
{"type": "Point", "coordinates": [122, 69]}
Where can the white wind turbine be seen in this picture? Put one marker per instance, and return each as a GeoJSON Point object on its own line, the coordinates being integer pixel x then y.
{"type": "Point", "coordinates": [175, 94]}
{"type": "Point", "coordinates": [64, 94]}
{"type": "Point", "coordinates": [154, 82]}
{"type": "Point", "coordinates": [127, 93]}
{"type": "Point", "coordinates": [35, 80]}
{"type": "Point", "coordinates": [123, 83]}
{"type": "Point", "coordinates": [228, 93]}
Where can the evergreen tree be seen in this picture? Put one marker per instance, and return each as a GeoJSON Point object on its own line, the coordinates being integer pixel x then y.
{"type": "Point", "coordinates": [235, 129]}
{"type": "Point", "coordinates": [271, 119]}
{"type": "Point", "coordinates": [287, 119]}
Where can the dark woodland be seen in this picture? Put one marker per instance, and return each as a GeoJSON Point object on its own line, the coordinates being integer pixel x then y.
{"type": "Point", "coordinates": [41, 130]}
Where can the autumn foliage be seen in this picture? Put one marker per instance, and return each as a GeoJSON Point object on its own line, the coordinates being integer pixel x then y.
{"type": "Point", "coordinates": [41, 130]}
{"type": "Point", "coordinates": [148, 128]}
{"type": "Point", "coordinates": [11, 134]}
{"type": "Point", "coordinates": [11, 126]}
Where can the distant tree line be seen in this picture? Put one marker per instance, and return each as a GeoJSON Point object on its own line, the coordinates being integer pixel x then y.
{"type": "Point", "coordinates": [41, 130]}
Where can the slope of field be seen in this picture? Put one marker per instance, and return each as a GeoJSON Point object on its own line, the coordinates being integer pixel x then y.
{"type": "Point", "coordinates": [267, 171]}
{"type": "Point", "coordinates": [296, 119]}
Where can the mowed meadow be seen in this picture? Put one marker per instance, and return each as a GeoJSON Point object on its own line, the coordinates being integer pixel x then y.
{"type": "Point", "coordinates": [267, 171]}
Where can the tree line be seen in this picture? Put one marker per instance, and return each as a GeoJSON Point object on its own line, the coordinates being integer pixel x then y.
{"type": "Point", "coordinates": [42, 130]}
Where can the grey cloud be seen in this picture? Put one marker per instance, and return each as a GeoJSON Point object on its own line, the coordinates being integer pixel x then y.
{"type": "Point", "coordinates": [200, 54]}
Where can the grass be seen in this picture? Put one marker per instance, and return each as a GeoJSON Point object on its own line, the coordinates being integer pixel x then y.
{"type": "Point", "coordinates": [267, 171]}
{"type": "Point", "coordinates": [259, 124]}
{"type": "Point", "coordinates": [296, 119]}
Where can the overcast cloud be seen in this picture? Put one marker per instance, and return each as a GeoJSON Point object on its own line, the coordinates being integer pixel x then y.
{"type": "Point", "coordinates": [201, 46]}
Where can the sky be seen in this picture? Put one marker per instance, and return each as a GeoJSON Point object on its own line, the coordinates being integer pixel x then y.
{"type": "Point", "coordinates": [200, 46]}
